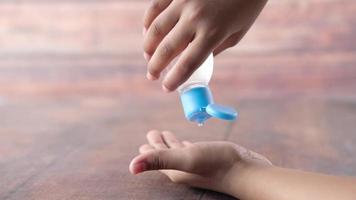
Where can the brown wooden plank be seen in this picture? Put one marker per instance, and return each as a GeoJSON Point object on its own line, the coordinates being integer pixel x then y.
{"type": "Point", "coordinates": [80, 148]}
{"type": "Point", "coordinates": [75, 105]}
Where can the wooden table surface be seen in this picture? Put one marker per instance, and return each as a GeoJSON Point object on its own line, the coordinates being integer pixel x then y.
{"type": "Point", "coordinates": [75, 106]}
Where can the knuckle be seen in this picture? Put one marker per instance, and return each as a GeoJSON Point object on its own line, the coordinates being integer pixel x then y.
{"type": "Point", "coordinates": [195, 15]}
{"type": "Point", "coordinates": [196, 12]}
{"type": "Point", "coordinates": [156, 5]}
{"type": "Point", "coordinates": [166, 50]}
{"type": "Point", "coordinates": [188, 66]}
{"type": "Point", "coordinates": [156, 29]}
{"type": "Point", "coordinates": [212, 34]}
{"type": "Point", "coordinates": [157, 162]}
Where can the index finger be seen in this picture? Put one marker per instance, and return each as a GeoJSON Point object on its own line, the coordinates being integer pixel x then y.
{"type": "Point", "coordinates": [191, 58]}
{"type": "Point", "coordinates": [155, 8]}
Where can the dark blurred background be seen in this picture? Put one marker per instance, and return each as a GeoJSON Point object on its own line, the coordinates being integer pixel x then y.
{"type": "Point", "coordinates": [75, 104]}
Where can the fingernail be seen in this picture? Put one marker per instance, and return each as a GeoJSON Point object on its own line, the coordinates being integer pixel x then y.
{"type": "Point", "coordinates": [151, 77]}
{"type": "Point", "coordinates": [139, 167]}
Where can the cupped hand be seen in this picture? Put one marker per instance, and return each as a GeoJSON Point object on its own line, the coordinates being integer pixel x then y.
{"type": "Point", "coordinates": [208, 165]}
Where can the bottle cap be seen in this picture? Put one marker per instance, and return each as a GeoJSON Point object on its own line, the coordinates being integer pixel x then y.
{"type": "Point", "coordinates": [198, 105]}
{"type": "Point", "coordinates": [221, 112]}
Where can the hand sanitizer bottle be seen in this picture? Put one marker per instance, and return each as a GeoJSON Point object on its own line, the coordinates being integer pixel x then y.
{"type": "Point", "coordinates": [197, 99]}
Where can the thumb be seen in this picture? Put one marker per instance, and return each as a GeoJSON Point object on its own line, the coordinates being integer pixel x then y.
{"type": "Point", "coordinates": [177, 159]}
{"type": "Point", "coordinates": [231, 41]}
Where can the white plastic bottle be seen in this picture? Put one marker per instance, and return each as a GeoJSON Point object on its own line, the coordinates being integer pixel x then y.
{"type": "Point", "coordinates": [197, 99]}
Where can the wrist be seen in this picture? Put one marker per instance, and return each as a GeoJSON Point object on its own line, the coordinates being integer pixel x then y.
{"type": "Point", "coordinates": [245, 179]}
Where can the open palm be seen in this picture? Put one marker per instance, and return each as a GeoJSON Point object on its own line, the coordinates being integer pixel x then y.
{"type": "Point", "coordinates": [204, 164]}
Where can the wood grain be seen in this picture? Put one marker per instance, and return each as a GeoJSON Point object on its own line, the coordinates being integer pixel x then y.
{"type": "Point", "coordinates": [75, 106]}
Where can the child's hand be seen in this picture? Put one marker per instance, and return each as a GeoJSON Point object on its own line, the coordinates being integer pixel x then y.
{"type": "Point", "coordinates": [194, 28]}
{"type": "Point", "coordinates": [210, 165]}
